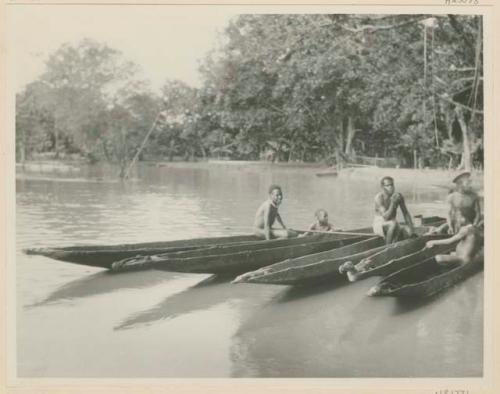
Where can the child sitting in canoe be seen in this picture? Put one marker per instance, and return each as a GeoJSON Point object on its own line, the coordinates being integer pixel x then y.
{"type": "Point", "coordinates": [321, 224]}
{"type": "Point", "coordinates": [268, 213]}
{"type": "Point", "coordinates": [470, 242]}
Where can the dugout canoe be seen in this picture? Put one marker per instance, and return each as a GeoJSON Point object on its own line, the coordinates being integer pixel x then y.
{"type": "Point", "coordinates": [425, 278]}
{"type": "Point", "coordinates": [314, 266]}
{"type": "Point", "coordinates": [104, 255]}
{"type": "Point", "coordinates": [393, 258]}
{"type": "Point", "coordinates": [248, 257]}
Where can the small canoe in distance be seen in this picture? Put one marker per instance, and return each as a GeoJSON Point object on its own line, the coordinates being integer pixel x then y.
{"type": "Point", "coordinates": [425, 278]}
{"type": "Point", "coordinates": [328, 172]}
{"type": "Point", "coordinates": [393, 258]}
{"type": "Point", "coordinates": [244, 258]}
{"type": "Point", "coordinates": [312, 267]}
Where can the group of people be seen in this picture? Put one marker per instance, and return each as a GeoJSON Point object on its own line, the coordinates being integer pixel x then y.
{"type": "Point", "coordinates": [464, 221]}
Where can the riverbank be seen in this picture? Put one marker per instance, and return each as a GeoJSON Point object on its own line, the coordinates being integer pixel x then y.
{"type": "Point", "coordinates": [407, 175]}
{"type": "Point", "coordinates": [436, 177]}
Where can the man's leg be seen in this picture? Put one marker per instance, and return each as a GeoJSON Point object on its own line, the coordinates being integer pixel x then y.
{"type": "Point", "coordinates": [259, 233]}
{"type": "Point", "coordinates": [449, 260]}
{"type": "Point", "coordinates": [279, 233]}
{"type": "Point", "coordinates": [392, 229]}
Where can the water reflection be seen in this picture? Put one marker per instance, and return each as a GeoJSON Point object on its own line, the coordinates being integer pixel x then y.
{"type": "Point", "coordinates": [105, 283]}
{"type": "Point", "coordinates": [216, 328]}
{"type": "Point", "coordinates": [208, 293]}
{"type": "Point", "coordinates": [311, 289]}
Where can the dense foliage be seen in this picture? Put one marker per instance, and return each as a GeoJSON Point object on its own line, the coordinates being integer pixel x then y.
{"type": "Point", "coordinates": [333, 88]}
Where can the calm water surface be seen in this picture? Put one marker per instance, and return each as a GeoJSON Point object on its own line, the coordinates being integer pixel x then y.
{"type": "Point", "coordinates": [76, 321]}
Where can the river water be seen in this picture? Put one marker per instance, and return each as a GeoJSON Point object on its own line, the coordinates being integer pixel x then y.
{"type": "Point", "coordinates": [81, 322]}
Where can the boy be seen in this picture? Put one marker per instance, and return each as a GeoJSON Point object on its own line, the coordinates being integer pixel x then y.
{"type": "Point", "coordinates": [267, 214]}
{"type": "Point", "coordinates": [387, 202]}
{"type": "Point", "coordinates": [469, 237]}
{"type": "Point", "coordinates": [321, 223]}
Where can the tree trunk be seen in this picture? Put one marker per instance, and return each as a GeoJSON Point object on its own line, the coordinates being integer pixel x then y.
{"type": "Point", "coordinates": [449, 123]}
{"type": "Point", "coordinates": [338, 156]}
{"type": "Point", "coordinates": [340, 135]}
{"type": "Point", "coordinates": [105, 151]}
{"type": "Point", "coordinates": [56, 143]}
{"type": "Point", "coordinates": [291, 152]}
{"type": "Point", "coordinates": [171, 151]}
{"type": "Point", "coordinates": [466, 162]}
{"type": "Point", "coordinates": [22, 148]}
{"type": "Point", "coordinates": [203, 151]}
{"type": "Point", "coordinates": [351, 132]}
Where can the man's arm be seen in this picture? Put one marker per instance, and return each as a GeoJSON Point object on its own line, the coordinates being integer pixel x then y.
{"type": "Point", "coordinates": [379, 207]}
{"type": "Point", "coordinates": [267, 221]}
{"type": "Point", "coordinates": [406, 214]}
{"type": "Point", "coordinates": [477, 207]}
{"type": "Point", "coordinates": [451, 213]}
{"type": "Point", "coordinates": [462, 233]}
{"type": "Point", "coordinates": [278, 218]}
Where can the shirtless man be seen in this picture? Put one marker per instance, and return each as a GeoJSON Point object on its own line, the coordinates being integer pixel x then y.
{"type": "Point", "coordinates": [462, 198]}
{"type": "Point", "coordinates": [465, 199]}
{"type": "Point", "coordinates": [267, 214]}
{"type": "Point", "coordinates": [385, 221]}
{"type": "Point", "coordinates": [469, 245]}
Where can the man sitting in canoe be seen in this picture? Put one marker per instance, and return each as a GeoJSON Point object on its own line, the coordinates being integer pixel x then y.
{"type": "Point", "coordinates": [268, 213]}
{"type": "Point", "coordinates": [463, 197]}
{"type": "Point", "coordinates": [469, 237]}
{"type": "Point", "coordinates": [385, 221]}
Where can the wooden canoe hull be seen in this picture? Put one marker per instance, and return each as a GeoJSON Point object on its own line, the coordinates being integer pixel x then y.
{"type": "Point", "coordinates": [236, 262]}
{"type": "Point", "coordinates": [425, 279]}
{"type": "Point", "coordinates": [395, 257]}
{"type": "Point", "coordinates": [104, 256]}
{"type": "Point", "coordinates": [313, 267]}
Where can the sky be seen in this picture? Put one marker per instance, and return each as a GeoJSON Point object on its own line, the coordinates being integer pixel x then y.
{"type": "Point", "coordinates": [166, 41]}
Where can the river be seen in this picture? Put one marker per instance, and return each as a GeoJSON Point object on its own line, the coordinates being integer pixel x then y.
{"type": "Point", "coordinates": [81, 322]}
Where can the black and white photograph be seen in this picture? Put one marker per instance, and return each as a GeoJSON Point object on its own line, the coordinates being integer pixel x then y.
{"type": "Point", "coordinates": [248, 192]}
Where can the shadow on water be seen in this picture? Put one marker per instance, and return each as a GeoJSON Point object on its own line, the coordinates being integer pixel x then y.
{"type": "Point", "coordinates": [105, 283]}
{"type": "Point", "coordinates": [206, 294]}
{"type": "Point", "coordinates": [449, 304]}
{"type": "Point", "coordinates": [409, 304]}
{"type": "Point", "coordinates": [311, 288]}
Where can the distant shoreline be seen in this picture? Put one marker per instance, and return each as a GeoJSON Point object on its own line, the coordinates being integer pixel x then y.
{"type": "Point", "coordinates": [428, 175]}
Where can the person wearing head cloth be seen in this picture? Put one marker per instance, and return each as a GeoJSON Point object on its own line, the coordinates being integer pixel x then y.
{"type": "Point", "coordinates": [385, 222]}
{"type": "Point", "coordinates": [464, 199]}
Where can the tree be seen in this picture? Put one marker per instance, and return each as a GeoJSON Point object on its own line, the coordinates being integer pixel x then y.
{"type": "Point", "coordinates": [80, 82]}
